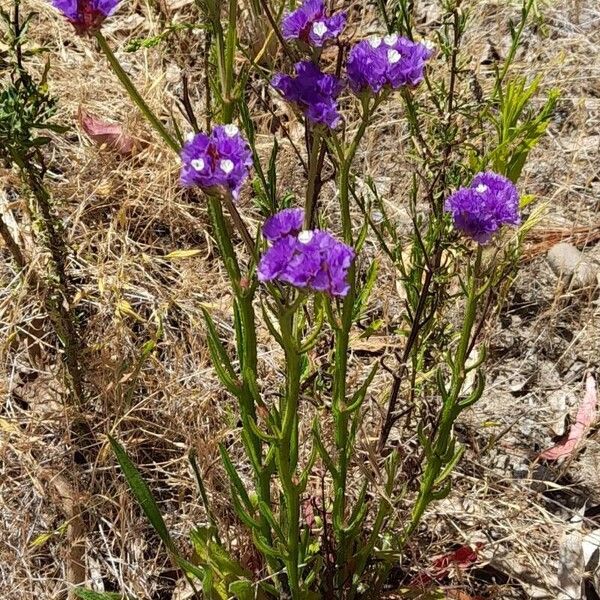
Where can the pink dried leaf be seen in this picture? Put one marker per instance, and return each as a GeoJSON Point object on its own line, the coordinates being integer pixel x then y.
{"type": "Point", "coordinates": [461, 559]}
{"type": "Point", "coordinates": [586, 415]}
{"type": "Point", "coordinates": [104, 133]}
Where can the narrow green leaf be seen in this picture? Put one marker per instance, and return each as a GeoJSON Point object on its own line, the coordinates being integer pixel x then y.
{"type": "Point", "coordinates": [359, 396]}
{"type": "Point", "coordinates": [142, 494]}
{"type": "Point", "coordinates": [363, 297]}
{"type": "Point", "coordinates": [85, 594]}
{"type": "Point", "coordinates": [450, 466]}
{"type": "Point", "coordinates": [218, 346]}
{"type": "Point", "coordinates": [235, 480]}
{"type": "Point", "coordinates": [325, 457]}
{"type": "Point", "coordinates": [266, 512]}
{"type": "Point", "coordinates": [242, 589]}
{"type": "Point", "coordinates": [265, 548]}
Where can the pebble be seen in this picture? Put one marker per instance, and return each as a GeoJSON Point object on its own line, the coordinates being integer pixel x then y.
{"type": "Point", "coordinates": [567, 261]}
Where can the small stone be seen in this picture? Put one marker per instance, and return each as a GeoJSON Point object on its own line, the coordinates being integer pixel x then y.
{"type": "Point", "coordinates": [568, 262]}
{"type": "Point", "coordinates": [557, 403]}
{"type": "Point", "coordinates": [520, 471]}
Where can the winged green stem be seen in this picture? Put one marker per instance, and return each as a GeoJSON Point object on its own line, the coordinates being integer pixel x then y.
{"type": "Point", "coordinates": [135, 95]}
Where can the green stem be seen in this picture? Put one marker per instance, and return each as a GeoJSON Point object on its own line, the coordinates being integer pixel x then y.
{"type": "Point", "coordinates": [385, 507]}
{"type": "Point", "coordinates": [240, 225]}
{"type": "Point", "coordinates": [342, 336]}
{"type": "Point", "coordinates": [451, 408]}
{"type": "Point", "coordinates": [227, 83]}
{"type": "Point", "coordinates": [287, 448]}
{"type": "Point", "coordinates": [313, 172]}
{"type": "Point", "coordinates": [516, 39]}
{"type": "Point", "coordinates": [248, 359]}
{"type": "Point", "coordinates": [135, 95]}
{"type": "Point", "coordinates": [450, 411]}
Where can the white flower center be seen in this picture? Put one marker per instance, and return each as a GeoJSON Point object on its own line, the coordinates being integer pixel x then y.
{"type": "Point", "coordinates": [319, 28]}
{"type": "Point", "coordinates": [428, 44]}
{"type": "Point", "coordinates": [231, 130]}
{"type": "Point", "coordinates": [481, 188]}
{"type": "Point", "coordinates": [305, 236]}
{"type": "Point", "coordinates": [375, 42]}
{"type": "Point", "coordinates": [226, 166]}
{"type": "Point", "coordinates": [390, 40]}
{"type": "Point", "coordinates": [393, 56]}
{"type": "Point", "coordinates": [190, 136]}
{"type": "Point", "coordinates": [197, 164]}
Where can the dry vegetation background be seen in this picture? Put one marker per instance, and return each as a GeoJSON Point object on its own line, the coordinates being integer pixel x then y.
{"type": "Point", "coordinates": [123, 216]}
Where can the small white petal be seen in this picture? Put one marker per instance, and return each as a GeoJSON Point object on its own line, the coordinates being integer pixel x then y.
{"type": "Point", "coordinates": [481, 188]}
{"type": "Point", "coordinates": [377, 216]}
{"type": "Point", "coordinates": [231, 130]}
{"type": "Point", "coordinates": [375, 42]}
{"type": "Point", "coordinates": [197, 164]}
{"type": "Point", "coordinates": [319, 28]}
{"type": "Point", "coordinates": [393, 56]}
{"type": "Point", "coordinates": [305, 236]}
{"type": "Point", "coordinates": [428, 44]}
{"type": "Point", "coordinates": [189, 136]}
{"type": "Point", "coordinates": [226, 166]}
{"type": "Point", "coordinates": [390, 40]}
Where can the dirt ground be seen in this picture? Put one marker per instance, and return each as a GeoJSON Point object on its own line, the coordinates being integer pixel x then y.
{"type": "Point", "coordinates": [124, 216]}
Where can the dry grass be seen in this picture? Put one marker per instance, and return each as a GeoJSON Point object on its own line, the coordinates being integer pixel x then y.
{"type": "Point", "coordinates": [60, 504]}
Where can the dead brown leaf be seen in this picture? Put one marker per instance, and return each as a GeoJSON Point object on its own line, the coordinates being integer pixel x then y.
{"type": "Point", "coordinates": [586, 415]}
{"type": "Point", "coordinates": [102, 132]}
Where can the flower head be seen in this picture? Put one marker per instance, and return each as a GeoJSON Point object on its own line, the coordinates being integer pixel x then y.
{"type": "Point", "coordinates": [86, 16]}
{"type": "Point", "coordinates": [285, 222]}
{"type": "Point", "coordinates": [314, 92]}
{"type": "Point", "coordinates": [310, 260]}
{"type": "Point", "coordinates": [390, 61]}
{"type": "Point", "coordinates": [218, 161]}
{"type": "Point", "coordinates": [310, 24]}
{"type": "Point", "coordinates": [481, 209]}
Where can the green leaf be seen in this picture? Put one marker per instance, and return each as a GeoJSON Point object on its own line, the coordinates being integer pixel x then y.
{"type": "Point", "coordinates": [242, 589]}
{"type": "Point", "coordinates": [325, 457]}
{"type": "Point", "coordinates": [219, 357]}
{"type": "Point", "coordinates": [214, 555]}
{"type": "Point", "coordinates": [359, 395]}
{"type": "Point", "coordinates": [266, 512]}
{"type": "Point", "coordinates": [142, 494]}
{"type": "Point", "coordinates": [265, 548]}
{"type": "Point", "coordinates": [363, 297]}
{"type": "Point", "coordinates": [235, 480]}
{"type": "Point", "coordinates": [85, 594]}
{"type": "Point", "coordinates": [450, 466]}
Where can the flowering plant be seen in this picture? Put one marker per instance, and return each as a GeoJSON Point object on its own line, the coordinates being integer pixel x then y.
{"type": "Point", "coordinates": [323, 520]}
{"type": "Point", "coordinates": [310, 24]}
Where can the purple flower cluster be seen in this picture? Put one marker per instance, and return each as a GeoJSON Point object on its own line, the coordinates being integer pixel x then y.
{"type": "Point", "coordinates": [391, 61]}
{"type": "Point", "coordinates": [86, 16]}
{"type": "Point", "coordinates": [482, 208]}
{"type": "Point", "coordinates": [307, 259]}
{"type": "Point", "coordinates": [314, 92]}
{"type": "Point", "coordinates": [310, 24]}
{"type": "Point", "coordinates": [217, 162]}
{"type": "Point", "coordinates": [286, 222]}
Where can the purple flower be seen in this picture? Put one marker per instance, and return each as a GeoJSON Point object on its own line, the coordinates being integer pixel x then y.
{"type": "Point", "coordinates": [311, 260]}
{"type": "Point", "coordinates": [310, 24]}
{"type": "Point", "coordinates": [216, 162]}
{"type": "Point", "coordinates": [314, 92]}
{"type": "Point", "coordinates": [481, 209]}
{"type": "Point", "coordinates": [390, 61]}
{"type": "Point", "coordinates": [286, 222]}
{"type": "Point", "coordinates": [86, 16]}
